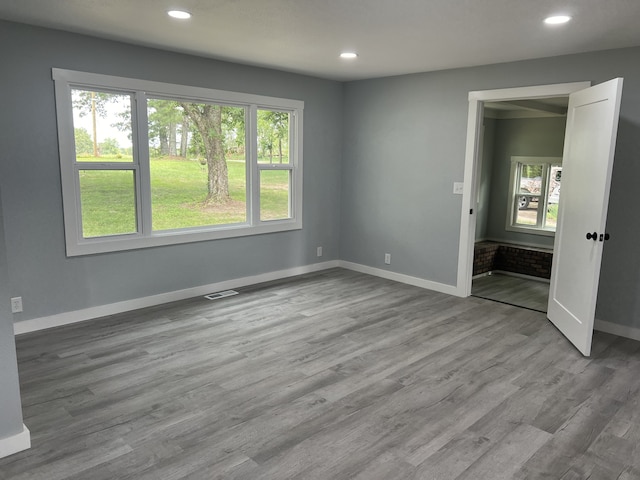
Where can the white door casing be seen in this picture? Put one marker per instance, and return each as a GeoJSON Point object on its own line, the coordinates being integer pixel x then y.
{"type": "Point", "coordinates": [591, 132]}
{"type": "Point", "coordinates": [592, 124]}
{"type": "Point", "coordinates": [471, 165]}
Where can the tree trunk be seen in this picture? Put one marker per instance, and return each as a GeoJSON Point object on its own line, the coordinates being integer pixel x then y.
{"type": "Point", "coordinates": [280, 149]}
{"type": "Point", "coordinates": [95, 125]}
{"type": "Point", "coordinates": [172, 140]}
{"type": "Point", "coordinates": [184, 137]}
{"type": "Point", "coordinates": [164, 142]}
{"type": "Point", "coordinates": [208, 121]}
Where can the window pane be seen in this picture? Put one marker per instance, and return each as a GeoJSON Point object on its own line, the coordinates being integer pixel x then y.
{"type": "Point", "coordinates": [554, 197]}
{"type": "Point", "coordinates": [274, 194]}
{"type": "Point", "coordinates": [102, 126]}
{"type": "Point", "coordinates": [530, 181]}
{"type": "Point", "coordinates": [527, 215]}
{"type": "Point", "coordinates": [273, 136]}
{"type": "Point", "coordinates": [108, 202]}
{"type": "Point", "coordinates": [197, 164]}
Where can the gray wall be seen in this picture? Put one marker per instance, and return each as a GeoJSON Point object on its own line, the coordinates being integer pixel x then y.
{"type": "Point", "coordinates": [405, 146]}
{"type": "Point", "coordinates": [531, 137]}
{"type": "Point", "coordinates": [10, 410]}
{"type": "Point", "coordinates": [381, 157]}
{"type": "Point", "coordinates": [483, 211]}
{"type": "Point", "coordinates": [38, 269]}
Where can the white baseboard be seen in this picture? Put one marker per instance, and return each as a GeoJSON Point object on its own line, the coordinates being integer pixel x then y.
{"type": "Point", "coordinates": [67, 318]}
{"type": "Point", "coordinates": [15, 443]}
{"type": "Point", "coordinates": [22, 441]}
{"type": "Point", "coordinates": [481, 275]}
{"type": "Point", "coordinates": [400, 277]}
{"type": "Point", "coordinates": [521, 275]}
{"type": "Point", "coordinates": [617, 329]}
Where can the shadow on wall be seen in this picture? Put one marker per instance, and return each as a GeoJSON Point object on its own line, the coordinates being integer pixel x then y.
{"type": "Point", "coordinates": [619, 291]}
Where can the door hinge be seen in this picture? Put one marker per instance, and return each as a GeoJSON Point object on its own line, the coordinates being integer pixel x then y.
{"type": "Point", "coordinates": [471, 212]}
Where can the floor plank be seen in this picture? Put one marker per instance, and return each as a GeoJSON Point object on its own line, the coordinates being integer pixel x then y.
{"type": "Point", "coordinates": [521, 292]}
{"type": "Point", "coordinates": [332, 375]}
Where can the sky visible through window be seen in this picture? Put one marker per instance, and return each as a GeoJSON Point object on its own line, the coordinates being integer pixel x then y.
{"type": "Point", "coordinates": [106, 125]}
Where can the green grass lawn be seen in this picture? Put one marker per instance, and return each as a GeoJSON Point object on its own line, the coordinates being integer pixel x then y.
{"type": "Point", "coordinates": [178, 190]}
{"type": "Point", "coordinates": [552, 215]}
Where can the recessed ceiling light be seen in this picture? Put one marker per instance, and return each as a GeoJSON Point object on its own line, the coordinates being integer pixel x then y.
{"type": "Point", "coordinates": [181, 14]}
{"type": "Point", "coordinates": [348, 55]}
{"type": "Point", "coordinates": [557, 19]}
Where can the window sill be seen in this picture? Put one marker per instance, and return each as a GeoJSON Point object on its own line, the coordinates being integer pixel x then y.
{"type": "Point", "coordinates": [531, 230]}
{"type": "Point", "coordinates": [134, 241]}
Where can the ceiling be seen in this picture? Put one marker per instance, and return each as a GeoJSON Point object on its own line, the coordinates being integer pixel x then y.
{"type": "Point", "coordinates": [391, 37]}
{"type": "Point", "coordinates": [540, 107]}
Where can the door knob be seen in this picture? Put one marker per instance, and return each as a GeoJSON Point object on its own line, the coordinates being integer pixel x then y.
{"type": "Point", "coordinates": [605, 237]}
{"type": "Point", "coordinates": [592, 236]}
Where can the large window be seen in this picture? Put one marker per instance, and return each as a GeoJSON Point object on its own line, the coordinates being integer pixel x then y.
{"type": "Point", "coordinates": [147, 163]}
{"type": "Point", "coordinates": [534, 193]}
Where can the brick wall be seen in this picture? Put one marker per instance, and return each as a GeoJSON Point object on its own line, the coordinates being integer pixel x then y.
{"type": "Point", "coordinates": [484, 254]}
{"type": "Point", "coordinates": [489, 256]}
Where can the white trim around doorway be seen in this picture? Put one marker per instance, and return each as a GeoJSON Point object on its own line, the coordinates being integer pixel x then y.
{"type": "Point", "coordinates": [471, 163]}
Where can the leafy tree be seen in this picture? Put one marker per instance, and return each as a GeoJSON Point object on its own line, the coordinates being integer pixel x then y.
{"type": "Point", "coordinates": [265, 138]}
{"type": "Point", "coordinates": [92, 103]}
{"type": "Point", "coordinates": [273, 129]}
{"type": "Point", "coordinates": [205, 131]}
{"type": "Point", "coordinates": [196, 145]}
{"type": "Point", "coordinates": [233, 125]}
{"type": "Point", "coordinates": [109, 147]}
{"type": "Point", "coordinates": [84, 144]}
{"type": "Point", "coordinates": [124, 125]}
{"type": "Point", "coordinates": [184, 136]}
{"type": "Point", "coordinates": [164, 118]}
{"type": "Point", "coordinates": [280, 122]}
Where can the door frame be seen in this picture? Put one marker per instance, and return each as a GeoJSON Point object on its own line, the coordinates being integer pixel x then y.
{"type": "Point", "coordinates": [472, 163]}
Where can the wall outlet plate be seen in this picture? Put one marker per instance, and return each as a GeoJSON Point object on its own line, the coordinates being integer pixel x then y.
{"type": "Point", "coordinates": [16, 304]}
{"type": "Point", "coordinates": [458, 188]}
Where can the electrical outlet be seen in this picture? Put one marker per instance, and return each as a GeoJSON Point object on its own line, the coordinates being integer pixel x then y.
{"type": "Point", "coordinates": [387, 258]}
{"type": "Point", "coordinates": [458, 188]}
{"type": "Point", "coordinates": [16, 304]}
{"type": "Point", "coordinates": [319, 251]}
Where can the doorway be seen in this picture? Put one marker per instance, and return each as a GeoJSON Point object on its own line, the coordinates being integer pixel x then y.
{"type": "Point", "coordinates": [514, 99]}
{"type": "Point", "coordinates": [592, 123]}
{"type": "Point", "coordinates": [518, 192]}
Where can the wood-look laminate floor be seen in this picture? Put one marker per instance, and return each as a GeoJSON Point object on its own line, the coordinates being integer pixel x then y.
{"type": "Point", "coordinates": [332, 375]}
{"type": "Point", "coordinates": [521, 292]}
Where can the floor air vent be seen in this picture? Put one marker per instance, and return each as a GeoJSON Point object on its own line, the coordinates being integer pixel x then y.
{"type": "Point", "coordinates": [216, 296]}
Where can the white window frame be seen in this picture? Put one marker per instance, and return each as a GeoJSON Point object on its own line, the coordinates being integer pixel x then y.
{"type": "Point", "coordinates": [76, 244]}
{"type": "Point", "coordinates": [514, 194]}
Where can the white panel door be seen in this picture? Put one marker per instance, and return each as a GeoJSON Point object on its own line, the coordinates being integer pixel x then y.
{"type": "Point", "coordinates": [592, 125]}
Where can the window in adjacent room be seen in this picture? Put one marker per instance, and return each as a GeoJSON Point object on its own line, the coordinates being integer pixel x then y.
{"type": "Point", "coordinates": [534, 193]}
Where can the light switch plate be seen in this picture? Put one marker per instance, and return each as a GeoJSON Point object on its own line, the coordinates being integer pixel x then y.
{"type": "Point", "coordinates": [458, 188]}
